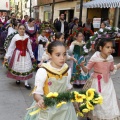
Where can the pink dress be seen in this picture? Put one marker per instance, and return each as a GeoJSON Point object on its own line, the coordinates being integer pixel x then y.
{"type": "Point", "coordinates": [103, 84]}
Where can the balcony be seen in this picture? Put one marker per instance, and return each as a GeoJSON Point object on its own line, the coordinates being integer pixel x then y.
{"type": "Point", "coordinates": [51, 1]}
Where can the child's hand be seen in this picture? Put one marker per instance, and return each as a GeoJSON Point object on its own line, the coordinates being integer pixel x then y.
{"type": "Point", "coordinates": [40, 103]}
{"type": "Point", "coordinates": [72, 58]}
{"type": "Point", "coordinates": [39, 65]}
{"type": "Point", "coordinates": [118, 66]}
{"type": "Point", "coordinates": [75, 60]}
{"type": "Point", "coordinates": [5, 60]}
{"type": "Point", "coordinates": [82, 63]}
{"type": "Point", "coordinates": [33, 60]}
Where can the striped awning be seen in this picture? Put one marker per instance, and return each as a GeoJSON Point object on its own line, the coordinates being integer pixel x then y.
{"type": "Point", "coordinates": [102, 4]}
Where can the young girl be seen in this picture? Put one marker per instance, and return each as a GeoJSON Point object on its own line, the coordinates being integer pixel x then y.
{"type": "Point", "coordinates": [103, 64]}
{"type": "Point", "coordinates": [42, 44]}
{"type": "Point", "coordinates": [76, 48]}
{"type": "Point", "coordinates": [53, 76]}
{"type": "Point", "coordinates": [31, 30]}
{"type": "Point", "coordinates": [20, 54]}
{"type": "Point", "coordinates": [58, 37]}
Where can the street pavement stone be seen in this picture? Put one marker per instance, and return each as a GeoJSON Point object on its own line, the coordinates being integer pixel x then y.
{"type": "Point", "coordinates": [14, 99]}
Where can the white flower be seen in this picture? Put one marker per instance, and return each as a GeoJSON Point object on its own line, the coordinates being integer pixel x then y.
{"type": "Point", "coordinates": [92, 42]}
{"type": "Point", "coordinates": [116, 29]}
{"type": "Point", "coordinates": [101, 30]}
{"type": "Point", "coordinates": [90, 37]}
{"type": "Point", "coordinates": [109, 28]}
{"type": "Point", "coordinates": [84, 47]}
{"type": "Point", "coordinates": [86, 50]}
{"type": "Point", "coordinates": [95, 33]}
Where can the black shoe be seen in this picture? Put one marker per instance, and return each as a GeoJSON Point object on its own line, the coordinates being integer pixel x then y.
{"type": "Point", "coordinates": [88, 118]}
{"type": "Point", "coordinates": [78, 86]}
{"type": "Point", "coordinates": [28, 87]}
{"type": "Point", "coordinates": [18, 82]}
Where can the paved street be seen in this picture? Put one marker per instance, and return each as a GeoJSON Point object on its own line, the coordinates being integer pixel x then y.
{"type": "Point", "coordinates": [15, 99]}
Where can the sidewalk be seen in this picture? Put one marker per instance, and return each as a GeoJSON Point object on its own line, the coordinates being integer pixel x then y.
{"type": "Point", "coordinates": [15, 99]}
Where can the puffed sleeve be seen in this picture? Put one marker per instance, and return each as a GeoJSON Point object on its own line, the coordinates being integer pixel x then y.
{"type": "Point", "coordinates": [90, 65]}
{"type": "Point", "coordinates": [113, 68]}
{"type": "Point", "coordinates": [45, 56]}
{"type": "Point", "coordinates": [30, 49]}
{"type": "Point", "coordinates": [40, 79]}
{"type": "Point", "coordinates": [69, 86]}
{"type": "Point", "coordinates": [68, 56]}
{"type": "Point", "coordinates": [39, 38]}
{"type": "Point", "coordinates": [71, 48]}
{"type": "Point", "coordinates": [11, 48]}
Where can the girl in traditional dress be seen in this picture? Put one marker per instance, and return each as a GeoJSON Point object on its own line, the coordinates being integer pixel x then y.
{"type": "Point", "coordinates": [42, 42]}
{"type": "Point", "coordinates": [76, 48]}
{"type": "Point", "coordinates": [58, 37]}
{"type": "Point", "coordinates": [31, 30]}
{"type": "Point", "coordinates": [19, 55]}
{"type": "Point", "coordinates": [53, 76]}
{"type": "Point", "coordinates": [102, 63]}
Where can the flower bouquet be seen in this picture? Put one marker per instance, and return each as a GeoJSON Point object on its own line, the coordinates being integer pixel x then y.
{"type": "Point", "coordinates": [87, 100]}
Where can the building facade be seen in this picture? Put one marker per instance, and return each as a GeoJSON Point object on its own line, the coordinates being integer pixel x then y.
{"type": "Point", "coordinates": [70, 8]}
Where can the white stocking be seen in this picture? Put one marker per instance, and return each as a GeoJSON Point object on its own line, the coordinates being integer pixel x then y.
{"type": "Point", "coordinates": [26, 82]}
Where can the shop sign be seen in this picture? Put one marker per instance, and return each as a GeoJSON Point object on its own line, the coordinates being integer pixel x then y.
{"type": "Point", "coordinates": [96, 22]}
{"type": "Point", "coordinates": [47, 8]}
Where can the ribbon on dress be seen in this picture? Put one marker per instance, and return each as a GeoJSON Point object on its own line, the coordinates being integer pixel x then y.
{"type": "Point", "coordinates": [99, 82]}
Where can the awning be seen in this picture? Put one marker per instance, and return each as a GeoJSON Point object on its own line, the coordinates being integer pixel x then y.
{"type": "Point", "coordinates": [102, 4]}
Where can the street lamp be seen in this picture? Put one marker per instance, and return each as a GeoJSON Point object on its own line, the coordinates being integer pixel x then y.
{"type": "Point", "coordinates": [30, 7]}
{"type": "Point", "coordinates": [80, 14]}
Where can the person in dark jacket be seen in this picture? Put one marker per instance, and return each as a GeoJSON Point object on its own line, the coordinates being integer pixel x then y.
{"type": "Point", "coordinates": [88, 25]}
{"type": "Point", "coordinates": [61, 25]}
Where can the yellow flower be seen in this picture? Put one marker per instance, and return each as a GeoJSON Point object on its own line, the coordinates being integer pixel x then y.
{"type": "Point", "coordinates": [89, 105]}
{"type": "Point", "coordinates": [52, 95]}
{"type": "Point", "coordinates": [98, 100]}
{"type": "Point", "coordinates": [80, 114]}
{"type": "Point", "coordinates": [72, 100]}
{"type": "Point", "coordinates": [60, 104]}
{"type": "Point", "coordinates": [79, 97]}
{"type": "Point", "coordinates": [90, 94]}
{"type": "Point", "coordinates": [85, 110]}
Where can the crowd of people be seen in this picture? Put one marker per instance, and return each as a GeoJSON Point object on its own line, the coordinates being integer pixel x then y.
{"type": "Point", "coordinates": [30, 42]}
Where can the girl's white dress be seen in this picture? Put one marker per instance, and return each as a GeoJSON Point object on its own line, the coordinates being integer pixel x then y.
{"type": "Point", "coordinates": [41, 46]}
{"type": "Point", "coordinates": [109, 110]}
{"type": "Point", "coordinates": [20, 54]}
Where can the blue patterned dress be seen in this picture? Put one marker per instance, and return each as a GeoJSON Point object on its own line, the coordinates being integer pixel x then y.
{"type": "Point", "coordinates": [77, 49]}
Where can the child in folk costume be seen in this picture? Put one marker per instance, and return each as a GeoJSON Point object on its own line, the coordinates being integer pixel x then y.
{"type": "Point", "coordinates": [42, 44]}
{"type": "Point", "coordinates": [76, 48]}
{"type": "Point", "coordinates": [58, 37]}
{"type": "Point", "coordinates": [31, 30]}
{"type": "Point", "coordinates": [20, 54]}
{"type": "Point", "coordinates": [53, 76]}
{"type": "Point", "coordinates": [102, 63]}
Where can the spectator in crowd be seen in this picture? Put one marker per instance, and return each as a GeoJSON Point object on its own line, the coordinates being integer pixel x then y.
{"type": "Point", "coordinates": [13, 18]}
{"type": "Point", "coordinates": [61, 25]}
{"type": "Point", "coordinates": [25, 19]}
{"type": "Point", "coordinates": [88, 25]}
{"type": "Point", "coordinates": [107, 22]}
